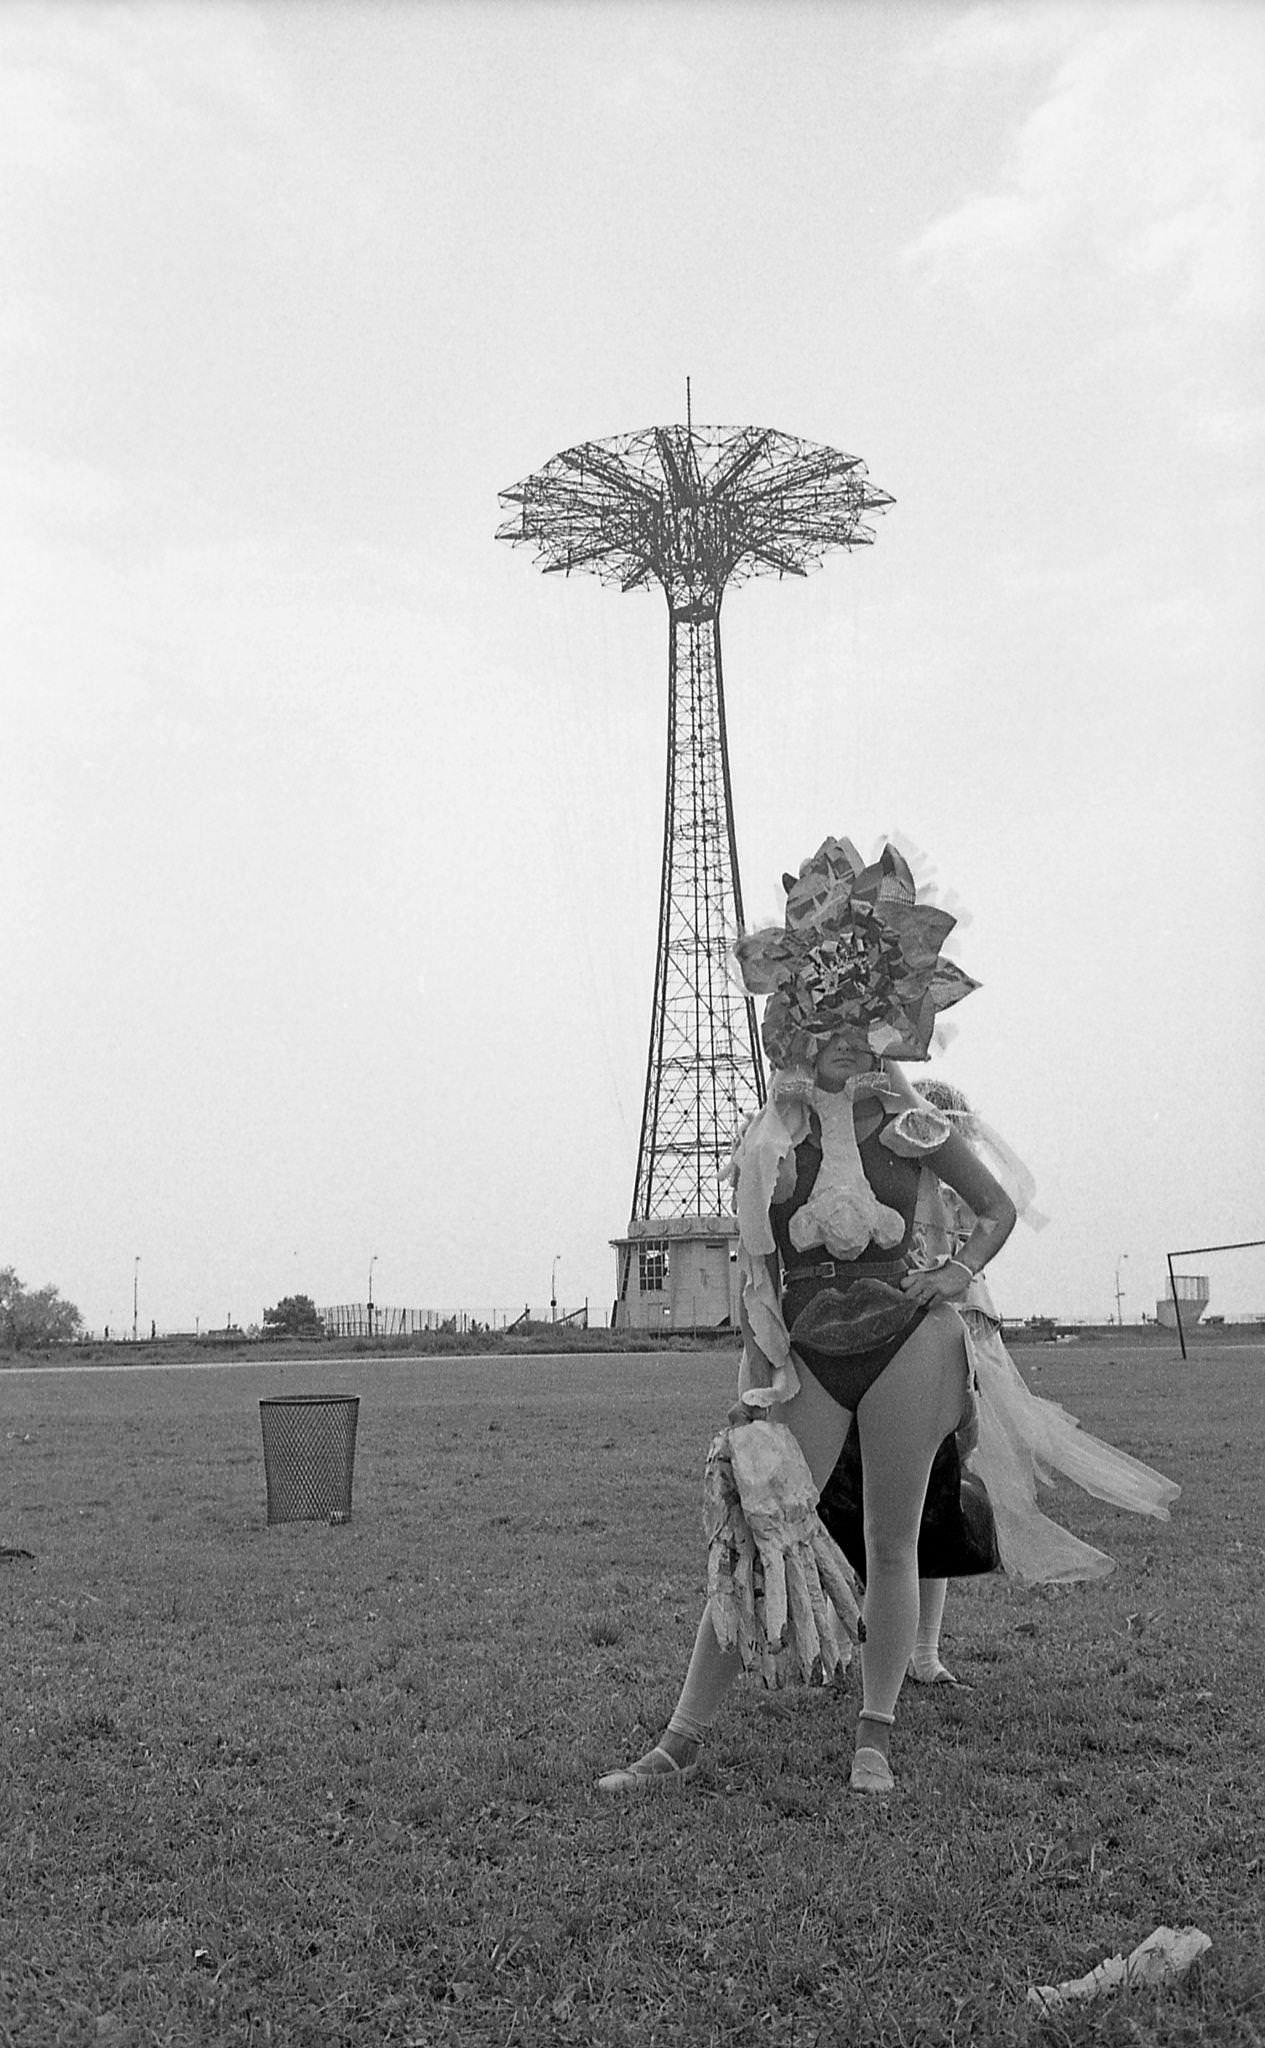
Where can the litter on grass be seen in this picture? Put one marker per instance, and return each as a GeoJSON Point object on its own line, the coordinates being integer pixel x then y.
{"type": "Point", "coordinates": [1163, 1958]}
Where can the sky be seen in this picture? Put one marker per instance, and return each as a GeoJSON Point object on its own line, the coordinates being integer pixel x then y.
{"type": "Point", "coordinates": [330, 829]}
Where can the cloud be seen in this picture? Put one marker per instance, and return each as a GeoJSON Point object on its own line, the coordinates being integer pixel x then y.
{"type": "Point", "coordinates": [1226, 428]}
{"type": "Point", "coordinates": [1002, 37]}
{"type": "Point", "coordinates": [1141, 155]}
{"type": "Point", "coordinates": [79, 84]}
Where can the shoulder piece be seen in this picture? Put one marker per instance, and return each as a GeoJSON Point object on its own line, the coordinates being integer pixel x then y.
{"type": "Point", "coordinates": [912, 1133]}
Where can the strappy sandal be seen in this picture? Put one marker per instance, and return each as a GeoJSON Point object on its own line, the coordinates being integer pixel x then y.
{"type": "Point", "coordinates": [655, 1772]}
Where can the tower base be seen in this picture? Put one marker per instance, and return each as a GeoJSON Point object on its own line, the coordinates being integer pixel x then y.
{"type": "Point", "coordinates": [677, 1273]}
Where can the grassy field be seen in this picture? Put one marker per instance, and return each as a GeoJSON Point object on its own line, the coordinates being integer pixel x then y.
{"type": "Point", "coordinates": [310, 1785]}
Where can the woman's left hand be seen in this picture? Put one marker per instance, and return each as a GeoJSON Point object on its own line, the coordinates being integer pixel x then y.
{"type": "Point", "coordinates": [937, 1283]}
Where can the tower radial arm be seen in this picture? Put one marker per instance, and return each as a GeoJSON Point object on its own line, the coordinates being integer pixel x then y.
{"type": "Point", "coordinates": [707, 505]}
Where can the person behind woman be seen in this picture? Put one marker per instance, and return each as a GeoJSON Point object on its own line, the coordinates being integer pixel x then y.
{"type": "Point", "coordinates": [1020, 1440]}
{"type": "Point", "coordinates": [1014, 1440]}
{"type": "Point", "coordinates": [941, 1227]}
{"type": "Point", "coordinates": [826, 1182]}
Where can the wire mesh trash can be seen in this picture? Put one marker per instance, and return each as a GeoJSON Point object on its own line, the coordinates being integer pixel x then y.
{"type": "Point", "coordinates": [309, 1453]}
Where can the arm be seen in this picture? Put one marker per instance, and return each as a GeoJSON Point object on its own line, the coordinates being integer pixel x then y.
{"type": "Point", "coordinates": [958, 1167]}
{"type": "Point", "coordinates": [757, 1369]}
{"type": "Point", "coordinates": [764, 1173]}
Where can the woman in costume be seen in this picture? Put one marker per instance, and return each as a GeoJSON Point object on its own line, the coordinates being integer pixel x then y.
{"type": "Point", "coordinates": [827, 1177]}
{"type": "Point", "coordinates": [1013, 1440]}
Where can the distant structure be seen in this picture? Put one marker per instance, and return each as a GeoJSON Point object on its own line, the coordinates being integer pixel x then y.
{"type": "Point", "coordinates": [692, 509]}
{"type": "Point", "coordinates": [1191, 1292]}
{"type": "Point", "coordinates": [372, 1319]}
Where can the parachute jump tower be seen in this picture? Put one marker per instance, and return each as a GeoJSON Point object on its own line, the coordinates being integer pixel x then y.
{"type": "Point", "coordinates": [692, 509]}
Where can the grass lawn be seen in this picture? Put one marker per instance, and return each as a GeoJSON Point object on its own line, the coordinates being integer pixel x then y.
{"type": "Point", "coordinates": [310, 1785]}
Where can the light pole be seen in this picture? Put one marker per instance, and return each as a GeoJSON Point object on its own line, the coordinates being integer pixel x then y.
{"type": "Point", "coordinates": [136, 1283]}
{"type": "Point", "coordinates": [1119, 1262]}
{"type": "Point", "coordinates": [372, 1263]}
{"type": "Point", "coordinates": [553, 1289]}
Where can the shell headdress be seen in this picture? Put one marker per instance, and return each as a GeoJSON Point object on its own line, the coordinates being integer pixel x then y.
{"type": "Point", "coordinates": [858, 952]}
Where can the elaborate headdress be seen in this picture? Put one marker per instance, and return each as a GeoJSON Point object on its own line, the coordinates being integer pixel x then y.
{"type": "Point", "coordinates": [857, 952]}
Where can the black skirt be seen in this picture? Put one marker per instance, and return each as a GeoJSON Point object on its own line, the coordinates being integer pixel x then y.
{"type": "Point", "coordinates": [957, 1538]}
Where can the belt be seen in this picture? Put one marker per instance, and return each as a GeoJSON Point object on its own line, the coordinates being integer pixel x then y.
{"type": "Point", "coordinates": [846, 1269]}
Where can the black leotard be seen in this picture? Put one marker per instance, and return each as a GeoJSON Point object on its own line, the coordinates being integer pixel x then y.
{"type": "Point", "coordinates": [814, 1277]}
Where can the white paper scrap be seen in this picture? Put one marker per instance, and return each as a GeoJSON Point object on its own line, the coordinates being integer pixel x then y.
{"type": "Point", "coordinates": [1162, 1958]}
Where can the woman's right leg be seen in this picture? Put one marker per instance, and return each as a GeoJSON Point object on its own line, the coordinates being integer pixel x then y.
{"type": "Point", "coordinates": [903, 1417]}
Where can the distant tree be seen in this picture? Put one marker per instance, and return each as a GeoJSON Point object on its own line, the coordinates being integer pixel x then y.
{"type": "Point", "coordinates": [34, 1315]}
{"type": "Point", "coordinates": [296, 1316]}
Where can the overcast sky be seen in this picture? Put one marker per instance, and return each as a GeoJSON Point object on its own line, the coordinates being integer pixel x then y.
{"type": "Point", "coordinates": [330, 829]}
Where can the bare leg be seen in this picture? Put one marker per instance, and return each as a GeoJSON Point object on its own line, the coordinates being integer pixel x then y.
{"type": "Point", "coordinates": [910, 1408]}
{"type": "Point", "coordinates": [819, 1426]}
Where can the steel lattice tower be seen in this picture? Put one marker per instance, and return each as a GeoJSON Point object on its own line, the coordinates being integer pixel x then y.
{"type": "Point", "coordinates": [693, 509]}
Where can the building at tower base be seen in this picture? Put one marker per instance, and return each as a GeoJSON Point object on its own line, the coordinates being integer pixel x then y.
{"type": "Point", "coordinates": [677, 1273]}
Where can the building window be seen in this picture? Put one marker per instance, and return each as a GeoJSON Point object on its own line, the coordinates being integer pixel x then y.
{"type": "Point", "coordinates": [654, 1266]}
